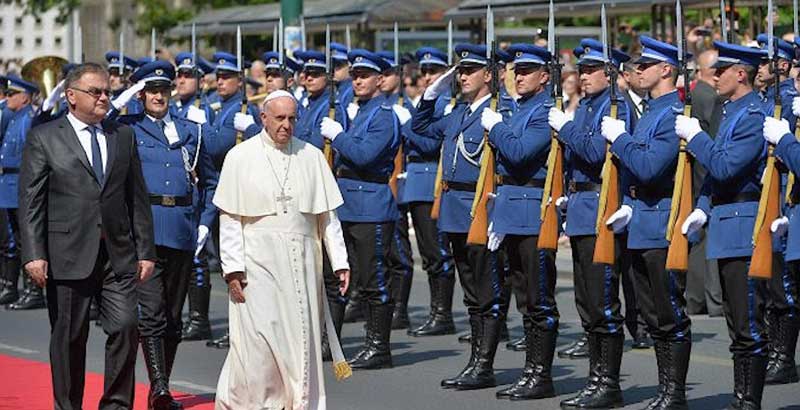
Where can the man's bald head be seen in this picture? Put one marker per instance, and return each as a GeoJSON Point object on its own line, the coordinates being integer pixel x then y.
{"type": "Point", "coordinates": [278, 114]}
{"type": "Point", "coordinates": [704, 62]}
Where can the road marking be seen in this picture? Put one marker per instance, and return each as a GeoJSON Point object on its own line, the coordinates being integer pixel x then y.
{"type": "Point", "coordinates": [194, 386]}
{"type": "Point", "coordinates": [17, 349]}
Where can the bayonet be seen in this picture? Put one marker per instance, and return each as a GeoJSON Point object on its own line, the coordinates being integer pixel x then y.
{"type": "Point", "coordinates": [78, 57]}
{"type": "Point", "coordinates": [194, 46]}
{"type": "Point", "coordinates": [723, 24]}
{"type": "Point", "coordinates": [281, 52]}
{"type": "Point", "coordinates": [794, 18]}
{"type": "Point", "coordinates": [551, 31]}
{"type": "Point", "coordinates": [153, 43]}
{"type": "Point", "coordinates": [326, 149]}
{"type": "Point", "coordinates": [302, 33]}
{"type": "Point", "coordinates": [347, 37]}
{"type": "Point", "coordinates": [122, 48]}
{"type": "Point", "coordinates": [399, 63]}
{"type": "Point", "coordinates": [275, 38]}
{"type": "Point", "coordinates": [604, 34]}
{"type": "Point", "coordinates": [450, 43]}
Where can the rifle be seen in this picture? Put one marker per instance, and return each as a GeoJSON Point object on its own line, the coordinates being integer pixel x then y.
{"type": "Point", "coordinates": [437, 186]}
{"type": "Point", "coordinates": [195, 69]}
{"type": "Point", "coordinates": [124, 109]}
{"type": "Point", "coordinates": [153, 43]}
{"type": "Point", "coordinates": [326, 149]}
{"type": "Point", "coordinates": [609, 191]}
{"type": "Point", "coordinates": [554, 182]}
{"type": "Point", "coordinates": [240, 67]}
{"type": "Point", "coordinates": [768, 204]}
{"type": "Point", "coordinates": [399, 158]}
{"type": "Point", "coordinates": [485, 186]}
{"type": "Point", "coordinates": [281, 56]}
{"type": "Point", "coordinates": [682, 201]}
{"type": "Point", "coordinates": [791, 178]}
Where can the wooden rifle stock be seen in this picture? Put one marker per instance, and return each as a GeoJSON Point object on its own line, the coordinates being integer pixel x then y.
{"type": "Point", "coordinates": [553, 189]}
{"type": "Point", "coordinates": [240, 134]}
{"type": "Point", "coordinates": [608, 204]}
{"type": "Point", "coordinates": [327, 151]}
{"type": "Point", "coordinates": [681, 207]}
{"type": "Point", "coordinates": [478, 229]}
{"type": "Point", "coordinates": [437, 190]}
{"type": "Point", "coordinates": [399, 162]}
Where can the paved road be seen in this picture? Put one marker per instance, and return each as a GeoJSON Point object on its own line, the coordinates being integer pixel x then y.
{"type": "Point", "coordinates": [420, 363]}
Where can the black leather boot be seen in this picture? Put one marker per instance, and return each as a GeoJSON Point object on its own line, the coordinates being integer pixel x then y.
{"type": "Point", "coordinates": [641, 340]}
{"type": "Point", "coordinates": [748, 375]}
{"type": "Point", "coordinates": [376, 353]}
{"type": "Point", "coordinates": [10, 277]}
{"type": "Point", "coordinates": [400, 317]}
{"type": "Point", "coordinates": [31, 298]}
{"type": "Point", "coordinates": [602, 390]}
{"type": "Point", "coordinates": [153, 352]}
{"type": "Point", "coordinates": [481, 375]}
{"type": "Point", "coordinates": [520, 344]}
{"type": "Point", "coordinates": [337, 316]}
{"type": "Point", "coordinates": [441, 320]}
{"type": "Point", "coordinates": [356, 309]}
{"type": "Point", "coordinates": [783, 340]}
{"type": "Point", "coordinates": [433, 290]}
{"type": "Point", "coordinates": [401, 291]}
{"type": "Point", "coordinates": [222, 342]}
{"type": "Point", "coordinates": [476, 330]}
{"type": "Point", "coordinates": [673, 364]}
{"type": "Point", "coordinates": [536, 381]}
{"type": "Point", "coordinates": [198, 327]}
{"type": "Point", "coordinates": [578, 349]}
{"type": "Point", "coordinates": [170, 351]}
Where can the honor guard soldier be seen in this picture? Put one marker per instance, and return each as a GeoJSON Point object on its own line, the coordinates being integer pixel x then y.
{"type": "Point", "coordinates": [782, 309]}
{"type": "Point", "coordinates": [8, 282]}
{"type": "Point", "coordinates": [649, 158]}
{"type": "Point", "coordinates": [522, 145]}
{"type": "Point", "coordinates": [18, 117]}
{"type": "Point", "coordinates": [421, 162]}
{"type": "Point", "coordinates": [479, 270]}
{"type": "Point", "coordinates": [730, 196]}
{"type": "Point", "coordinates": [307, 129]}
{"type": "Point", "coordinates": [341, 74]}
{"type": "Point", "coordinates": [401, 262]}
{"type": "Point", "coordinates": [507, 105]}
{"type": "Point", "coordinates": [596, 285]}
{"type": "Point", "coordinates": [782, 368]}
{"type": "Point", "coordinates": [230, 125]}
{"type": "Point", "coordinates": [181, 179]}
{"type": "Point", "coordinates": [191, 104]}
{"type": "Point", "coordinates": [365, 155]}
{"type": "Point", "coordinates": [276, 78]}
{"type": "Point", "coordinates": [119, 70]}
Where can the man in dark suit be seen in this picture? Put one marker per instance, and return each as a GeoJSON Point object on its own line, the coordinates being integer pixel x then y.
{"type": "Point", "coordinates": [87, 232]}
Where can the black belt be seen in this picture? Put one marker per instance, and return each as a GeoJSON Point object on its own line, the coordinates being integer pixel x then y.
{"type": "Point", "coordinates": [458, 186]}
{"type": "Point", "coordinates": [510, 180]}
{"type": "Point", "coordinates": [584, 187]}
{"type": "Point", "coordinates": [663, 191]}
{"type": "Point", "coordinates": [5, 170]}
{"type": "Point", "coordinates": [741, 197]}
{"type": "Point", "coordinates": [170, 201]}
{"type": "Point", "coordinates": [412, 159]}
{"type": "Point", "coordinates": [362, 176]}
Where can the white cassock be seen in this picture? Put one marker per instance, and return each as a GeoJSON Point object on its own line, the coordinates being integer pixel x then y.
{"type": "Point", "coordinates": [275, 361]}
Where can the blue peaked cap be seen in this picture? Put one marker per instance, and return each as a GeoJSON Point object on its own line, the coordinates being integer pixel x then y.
{"type": "Point", "coordinates": [593, 54]}
{"type": "Point", "coordinates": [431, 55]}
{"type": "Point", "coordinates": [730, 54]}
{"type": "Point", "coordinates": [784, 49]}
{"type": "Point", "coordinates": [360, 57]}
{"type": "Point", "coordinates": [654, 51]}
{"type": "Point", "coordinates": [527, 54]}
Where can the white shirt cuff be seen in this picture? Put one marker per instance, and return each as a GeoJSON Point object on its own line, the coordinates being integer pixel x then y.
{"type": "Point", "coordinates": [231, 243]}
{"type": "Point", "coordinates": [333, 238]}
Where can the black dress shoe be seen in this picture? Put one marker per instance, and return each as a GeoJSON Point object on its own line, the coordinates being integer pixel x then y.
{"type": "Point", "coordinates": [30, 299]}
{"type": "Point", "coordinates": [223, 342]}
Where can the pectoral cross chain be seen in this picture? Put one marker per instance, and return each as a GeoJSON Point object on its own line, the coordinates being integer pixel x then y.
{"type": "Point", "coordinates": [283, 199]}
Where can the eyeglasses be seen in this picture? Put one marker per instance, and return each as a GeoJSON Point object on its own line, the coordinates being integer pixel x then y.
{"type": "Point", "coordinates": [94, 92]}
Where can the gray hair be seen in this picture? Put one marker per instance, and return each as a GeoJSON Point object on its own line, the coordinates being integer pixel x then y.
{"type": "Point", "coordinates": [75, 75]}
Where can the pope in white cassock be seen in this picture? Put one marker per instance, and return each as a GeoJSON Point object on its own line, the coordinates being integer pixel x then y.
{"type": "Point", "coordinates": [277, 197]}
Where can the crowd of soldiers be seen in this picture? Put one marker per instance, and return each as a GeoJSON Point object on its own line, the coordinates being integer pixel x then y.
{"type": "Point", "coordinates": [410, 144]}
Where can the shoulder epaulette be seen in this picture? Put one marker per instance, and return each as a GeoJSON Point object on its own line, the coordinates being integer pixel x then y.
{"type": "Point", "coordinates": [548, 104]}
{"type": "Point", "coordinates": [677, 108]}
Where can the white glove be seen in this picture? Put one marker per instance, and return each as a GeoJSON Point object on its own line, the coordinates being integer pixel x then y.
{"type": "Point", "coordinates": [694, 222]}
{"type": "Point", "coordinates": [490, 118]}
{"type": "Point", "coordinates": [402, 113]}
{"type": "Point", "coordinates": [620, 219]}
{"type": "Point", "coordinates": [54, 96]}
{"type": "Point", "coordinates": [775, 129]}
{"type": "Point", "coordinates": [687, 127]}
{"type": "Point", "coordinates": [780, 226]}
{"type": "Point", "coordinates": [242, 121]}
{"type": "Point", "coordinates": [202, 237]}
{"type": "Point", "coordinates": [197, 115]}
{"type": "Point", "coordinates": [352, 110]}
{"type": "Point", "coordinates": [402, 175]}
{"type": "Point", "coordinates": [796, 106]}
{"type": "Point", "coordinates": [557, 119]}
{"type": "Point", "coordinates": [440, 86]}
{"type": "Point", "coordinates": [561, 202]}
{"type": "Point", "coordinates": [126, 95]}
{"type": "Point", "coordinates": [330, 129]}
{"type": "Point", "coordinates": [447, 110]}
{"type": "Point", "coordinates": [495, 239]}
{"type": "Point", "coordinates": [612, 128]}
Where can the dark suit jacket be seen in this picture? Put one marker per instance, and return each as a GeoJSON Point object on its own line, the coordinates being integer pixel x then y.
{"type": "Point", "coordinates": [64, 212]}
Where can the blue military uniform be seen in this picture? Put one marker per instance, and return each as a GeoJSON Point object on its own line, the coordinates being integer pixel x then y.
{"type": "Point", "coordinates": [126, 65]}
{"type": "Point", "coordinates": [307, 126]}
{"type": "Point", "coordinates": [224, 132]}
{"type": "Point", "coordinates": [181, 180]}
{"type": "Point", "coordinates": [16, 124]}
{"type": "Point", "coordinates": [365, 155]}
{"type": "Point", "coordinates": [735, 160]}
{"type": "Point", "coordinates": [596, 285]}
{"type": "Point", "coordinates": [344, 88]}
{"type": "Point", "coordinates": [480, 271]}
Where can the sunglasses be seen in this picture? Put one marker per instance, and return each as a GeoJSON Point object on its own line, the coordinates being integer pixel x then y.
{"type": "Point", "coordinates": [94, 92]}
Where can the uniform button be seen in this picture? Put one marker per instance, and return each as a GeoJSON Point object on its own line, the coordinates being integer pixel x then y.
{"type": "Point", "coordinates": [426, 169]}
{"type": "Point", "coordinates": [167, 165]}
{"type": "Point", "coordinates": [167, 182]}
{"type": "Point", "coordinates": [360, 187]}
{"type": "Point", "coordinates": [524, 195]}
{"type": "Point", "coordinates": [736, 213]}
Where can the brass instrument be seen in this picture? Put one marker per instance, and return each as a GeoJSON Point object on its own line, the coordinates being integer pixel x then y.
{"type": "Point", "coordinates": [44, 72]}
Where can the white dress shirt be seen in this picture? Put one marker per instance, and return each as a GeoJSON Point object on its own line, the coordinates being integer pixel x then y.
{"type": "Point", "coordinates": [169, 128]}
{"type": "Point", "coordinates": [85, 138]}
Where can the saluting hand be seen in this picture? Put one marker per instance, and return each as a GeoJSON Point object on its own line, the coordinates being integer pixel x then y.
{"type": "Point", "coordinates": [37, 270]}
{"type": "Point", "coordinates": [440, 86]}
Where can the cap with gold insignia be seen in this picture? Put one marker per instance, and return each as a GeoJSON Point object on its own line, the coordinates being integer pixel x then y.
{"type": "Point", "coordinates": [184, 62]}
{"type": "Point", "coordinates": [16, 84]}
{"type": "Point", "coordinates": [593, 54]}
{"type": "Point", "coordinates": [312, 60]}
{"type": "Point", "coordinates": [361, 58]}
{"type": "Point", "coordinates": [159, 73]}
{"type": "Point", "coordinates": [113, 59]}
{"type": "Point", "coordinates": [529, 54]}
{"type": "Point", "coordinates": [431, 56]}
{"type": "Point", "coordinates": [225, 61]}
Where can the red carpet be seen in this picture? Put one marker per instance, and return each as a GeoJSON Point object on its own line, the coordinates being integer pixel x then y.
{"type": "Point", "coordinates": [26, 385]}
